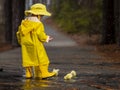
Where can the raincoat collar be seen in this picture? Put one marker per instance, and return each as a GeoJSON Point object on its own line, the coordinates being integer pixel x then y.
{"type": "Point", "coordinates": [32, 18]}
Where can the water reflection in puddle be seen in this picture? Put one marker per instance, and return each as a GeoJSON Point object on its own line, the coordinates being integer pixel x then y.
{"type": "Point", "coordinates": [55, 83]}
{"type": "Point", "coordinates": [48, 84]}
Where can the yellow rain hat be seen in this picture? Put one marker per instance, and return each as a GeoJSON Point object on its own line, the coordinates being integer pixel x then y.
{"type": "Point", "coordinates": [38, 9]}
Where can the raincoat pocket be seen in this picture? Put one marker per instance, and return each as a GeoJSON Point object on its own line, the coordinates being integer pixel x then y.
{"type": "Point", "coordinates": [27, 39]}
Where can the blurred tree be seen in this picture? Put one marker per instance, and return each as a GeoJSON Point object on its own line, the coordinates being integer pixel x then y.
{"type": "Point", "coordinates": [117, 20]}
{"type": "Point", "coordinates": [35, 1]}
{"type": "Point", "coordinates": [108, 33]}
{"type": "Point", "coordinates": [18, 8]}
{"type": "Point", "coordinates": [14, 11]}
{"type": "Point", "coordinates": [8, 21]}
{"type": "Point", "coordinates": [81, 15]}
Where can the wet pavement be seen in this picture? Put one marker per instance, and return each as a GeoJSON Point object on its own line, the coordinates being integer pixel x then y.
{"type": "Point", "coordinates": [94, 72]}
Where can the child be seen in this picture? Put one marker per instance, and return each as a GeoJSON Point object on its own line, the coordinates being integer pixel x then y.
{"type": "Point", "coordinates": [31, 37]}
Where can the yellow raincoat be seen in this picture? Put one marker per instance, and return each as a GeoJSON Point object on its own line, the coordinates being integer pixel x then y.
{"type": "Point", "coordinates": [31, 37]}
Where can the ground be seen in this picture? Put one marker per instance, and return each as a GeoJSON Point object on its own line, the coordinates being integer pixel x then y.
{"type": "Point", "coordinates": [111, 52]}
{"type": "Point", "coordinates": [5, 46]}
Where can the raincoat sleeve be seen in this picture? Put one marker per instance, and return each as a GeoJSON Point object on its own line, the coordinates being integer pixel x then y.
{"type": "Point", "coordinates": [41, 34]}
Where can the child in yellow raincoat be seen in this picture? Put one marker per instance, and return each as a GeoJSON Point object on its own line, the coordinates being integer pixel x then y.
{"type": "Point", "coordinates": [31, 37]}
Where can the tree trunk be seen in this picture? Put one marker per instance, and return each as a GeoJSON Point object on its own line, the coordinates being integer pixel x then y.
{"type": "Point", "coordinates": [35, 1]}
{"type": "Point", "coordinates": [117, 20]}
{"type": "Point", "coordinates": [108, 34]}
{"type": "Point", "coordinates": [18, 8]}
{"type": "Point", "coordinates": [8, 21]}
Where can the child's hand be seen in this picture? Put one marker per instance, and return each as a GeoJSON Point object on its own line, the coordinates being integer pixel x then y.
{"type": "Point", "coordinates": [50, 38]}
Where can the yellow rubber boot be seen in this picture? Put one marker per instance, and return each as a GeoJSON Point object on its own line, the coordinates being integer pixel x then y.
{"type": "Point", "coordinates": [28, 72]}
{"type": "Point", "coordinates": [45, 73]}
{"type": "Point", "coordinates": [37, 73]}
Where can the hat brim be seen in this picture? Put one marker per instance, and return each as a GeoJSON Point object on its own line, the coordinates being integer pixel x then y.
{"type": "Point", "coordinates": [37, 12]}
